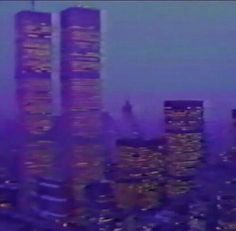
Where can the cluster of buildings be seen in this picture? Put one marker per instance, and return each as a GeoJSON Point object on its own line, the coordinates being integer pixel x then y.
{"type": "Point", "coordinates": [74, 170]}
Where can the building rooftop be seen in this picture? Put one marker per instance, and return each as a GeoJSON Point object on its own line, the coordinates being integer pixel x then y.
{"type": "Point", "coordinates": [140, 142]}
{"type": "Point", "coordinates": [183, 103]}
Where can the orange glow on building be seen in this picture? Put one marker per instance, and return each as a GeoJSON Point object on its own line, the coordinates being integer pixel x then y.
{"type": "Point", "coordinates": [81, 96]}
{"type": "Point", "coordinates": [34, 97]}
{"type": "Point", "coordinates": [184, 135]}
{"type": "Point", "coordinates": [140, 173]}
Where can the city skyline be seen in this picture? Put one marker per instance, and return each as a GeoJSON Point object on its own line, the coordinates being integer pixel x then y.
{"type": "Point", "coordinates": [83, 167]}
{"type": "Point", "coordinates": [199, 56]}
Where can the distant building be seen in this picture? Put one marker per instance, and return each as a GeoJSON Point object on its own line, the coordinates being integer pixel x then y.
{"type": "Point", "coordinates": [234, 114]}
{"type": "Point", "coordinates": [233, 132]}
{"type": "Point", "coordinates": [184, 135]}
{"type": "Point", "coordinates": [34, 97]}
{"type": "Point", "coordinates": [129, 123]}
{"type": "Point", "coordinates": [140, 173]}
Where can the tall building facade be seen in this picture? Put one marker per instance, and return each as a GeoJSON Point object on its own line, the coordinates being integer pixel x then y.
{"type": "Point", "coordinates": [34, 96]}
{"type": "Point", "coordinates": [81, 95]}
{"type": "Point", "coordinates": [184, 134]}
{"type": "Point", "coordinates": [140, 173]}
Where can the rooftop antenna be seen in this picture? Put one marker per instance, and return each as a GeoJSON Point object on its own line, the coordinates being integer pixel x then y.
{"type": "Point", "coordinates": [33, 5]}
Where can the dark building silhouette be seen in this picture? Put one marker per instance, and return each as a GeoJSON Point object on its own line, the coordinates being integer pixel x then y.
{"type": "Point", "coordinates": [233, 114]}
{"type": "Point", "coordinates": [130, 127]}
{"type": "Point", "coordinates": [110, 135]}
{"type": "Point", "coordinates": [233, 131]}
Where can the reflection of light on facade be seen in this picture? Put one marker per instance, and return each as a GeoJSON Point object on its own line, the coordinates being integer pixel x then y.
{"type": "Point", "coordinates": [34, 99]}
{"type": "Point", "coordinates": [177, 186]}
{"type": "Point", "coordinates": [33, 72]}
{"type": "Point", "coordinates": [140, 173]}
{"type": "Point", "coordinates": [184, 127]}
{"type": "Point", "coordinates": [33, 43]}
{"type": "Point", "coordinates": [81, 94]}
{"type": "Point", "coordinates": [86, 166]}
{"type": "Point", "coordinates": [53, 200]}
{"type": "Point", "coordinates": [38, 160]}
{"type": "Point", "coordinates": [80, 43]}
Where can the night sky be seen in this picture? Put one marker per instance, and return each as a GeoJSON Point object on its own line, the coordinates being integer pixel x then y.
{"type": "Point", "coordinates": [153, 51]}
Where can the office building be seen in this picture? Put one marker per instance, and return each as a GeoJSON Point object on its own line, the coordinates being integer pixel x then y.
{"type": "Point", "coordinates": [81, 96]}
{"type": "Point", "coordinates": [140, 173]}
{"type": "Point", "coordinates": [184, 135]}
{"type": "Point", "coordinates": [34, 97]}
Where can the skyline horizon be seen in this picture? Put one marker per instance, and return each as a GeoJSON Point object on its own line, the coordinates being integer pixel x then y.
{"type": "Point", "coordinates": [117, 117]}
{"type": "Point", "coordinates": [145, 99]}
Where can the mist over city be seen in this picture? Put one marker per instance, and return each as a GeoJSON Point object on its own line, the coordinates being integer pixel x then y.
{"type": "Point", "coordinates": [117, 115]}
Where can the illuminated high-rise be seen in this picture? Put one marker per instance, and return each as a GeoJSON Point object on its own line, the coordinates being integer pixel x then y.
{"type": "Point", "coordinates": [140, 173]}
{"type": "Point", "coordinates": [34, 96]}
{"type": "Point", "coordinates": [184, 134]}
{"type": "Point", "coordinates": [81, 95]}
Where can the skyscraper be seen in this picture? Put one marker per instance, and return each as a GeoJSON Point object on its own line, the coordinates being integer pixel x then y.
{"type": "Point", "coordinates": [81, 94]}
{"type": "Point", "coordinates": [140, 173]}
{"type": "Point", "coordinates": [184, 134]}
{"type": "Point", "coordinates": [34, 96]}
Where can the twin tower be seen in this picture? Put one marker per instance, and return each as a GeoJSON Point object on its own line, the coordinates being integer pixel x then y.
{"type": "Point", "coordinates": [81, 102]}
